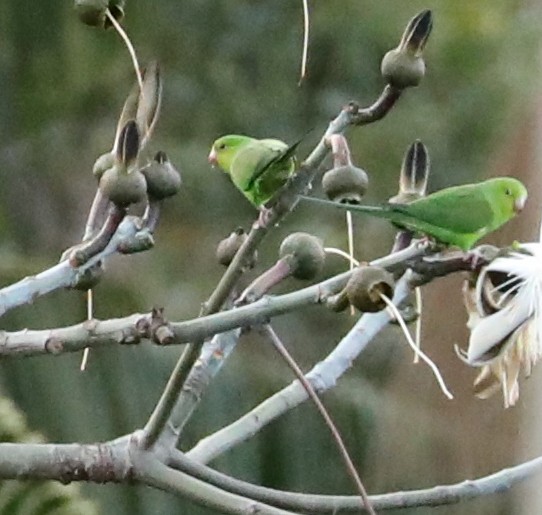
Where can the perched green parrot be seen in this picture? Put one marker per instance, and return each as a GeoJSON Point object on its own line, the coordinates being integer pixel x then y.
{"type": "Point", "coordinates": [257, 167]}
{"type": "Point", "coordinates": [460, 215]}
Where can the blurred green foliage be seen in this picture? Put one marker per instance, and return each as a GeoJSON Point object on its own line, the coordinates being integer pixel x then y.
{"type": "Point", "coordinates": [233, 66]}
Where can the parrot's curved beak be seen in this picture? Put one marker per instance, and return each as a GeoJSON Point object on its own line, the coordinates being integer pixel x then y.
{"type": "Point", "coordinates": [519, 204]}
{"type": "Point", "coordinates": [213, 158]}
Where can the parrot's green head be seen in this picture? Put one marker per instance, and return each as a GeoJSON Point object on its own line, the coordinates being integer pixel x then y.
{"type": "Point", "coordinates": [225, 149]}
{"type": "Point", "coordinates": [507, 197]}
{"type": "Point", "coordinates": [512, 195]}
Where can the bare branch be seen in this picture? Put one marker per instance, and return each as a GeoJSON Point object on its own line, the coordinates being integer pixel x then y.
{"type": "Point", "coordinates": [322, 377]}
{"type": "Point", "coordinates": [97, 463]}
{"type": "Point", "coordinates": [63, 274]}
{"type": "Point", "coordinates": [284, 204]}
{"type": "Point", "coordinates": [82, 253]}
{"type": "Point", "coordinates": [133, 328]}
{"type": "Point", "coordinates": [118, 461]}
{"type": "Point", "coordinates": [312, 503]}
{"type": "Point", "coordinates": [154, 473]}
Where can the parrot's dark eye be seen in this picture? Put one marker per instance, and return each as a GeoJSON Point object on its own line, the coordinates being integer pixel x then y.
{"type": "Point", "coordinates": [222, 146]}
{"type": "Point", "coordinates": [508, 191]}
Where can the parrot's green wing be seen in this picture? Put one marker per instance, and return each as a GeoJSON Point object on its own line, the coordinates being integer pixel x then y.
{"type": "Point", "coordinates": [261, 168]}
{"type": "Point", "coordinates": [281, 160]}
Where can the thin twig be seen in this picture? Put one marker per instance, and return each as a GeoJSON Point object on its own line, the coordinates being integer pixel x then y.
{"type": "Point", "coordinates": [90, 315]}
{"type": "Point", "coordinates": [96, 214]}
{"type": "Point", "coordinates": [129, 46]}
{"type": "Point", "coordinates": [306, 25]}
{"type": "Point", "coordinates": [342, 253]}
{"type": "Point", "coordinates": [350, 233]}
{"type": "Point", "coordinates": [90, 248]}
{"type": "Point", "coordinates": [419, 309]}
{"type": "Point", "coordinates": [283, 351]}
{"type": "Point", "coordinates": [418, 351]}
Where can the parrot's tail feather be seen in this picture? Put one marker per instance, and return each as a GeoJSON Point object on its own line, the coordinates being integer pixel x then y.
{"type": "Point", "coordinates": [384, 211]}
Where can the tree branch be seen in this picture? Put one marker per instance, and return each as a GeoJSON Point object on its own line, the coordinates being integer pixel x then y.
{"type": "Point", "coordinates": [63, 275]}
{"type": "Point", "coordinates": [322, 377]}
{"type": "Point", "coordinates": [133, 328]}
{"type": "Point", "coordinates": [193, 387]}
{"type": "Point", "coordinates": [313, 503]}
{"type": "Point", "coordinates": [152, 472]}
{"type": "Point", "coordinates": [99, 463]}
{"type": "Point", "coordinates": [118, 461]}
{"type": "Point", "coordinates": [287, 199]}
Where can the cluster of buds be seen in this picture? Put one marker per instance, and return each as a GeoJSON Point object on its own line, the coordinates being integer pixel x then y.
{"type": "Point", "coordinates": [122, 179]}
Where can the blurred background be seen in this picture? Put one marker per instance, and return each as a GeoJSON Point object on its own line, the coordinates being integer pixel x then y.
{"type": "Point", "coordinates": [233, 66]}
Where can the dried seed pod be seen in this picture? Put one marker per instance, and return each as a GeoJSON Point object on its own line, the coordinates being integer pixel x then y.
{"type": "Point", "coordinates": [103, 163]}
{"type": "Point", "coordinates": [93, 12]}
{"type": "Point", "coordinates": [229, 246]}
{"type": "Point", "coordinates": [122, 184]}
{"type": "Point", "coordinates": [123, 188]}
{"type": "Point", "coordinates": [305, 253]}
{"type": "Point", "coordinates": [365, 286]}
{"type": "Point", "coordinates": [402, 70]}
{"type": "Point", "coordinates": [404, 66]}
{"type": "Point", "coordinates": [345, 184]}
{"type": "Point", "coordinates": [163, 179]}
{"type": "Point", "coordinates": [414, 174]}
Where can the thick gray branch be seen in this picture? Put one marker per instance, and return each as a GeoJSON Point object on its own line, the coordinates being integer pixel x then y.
{"type": "Point", "coordinates": [119, 461]}
{"type": "Point", "coordinates": [99, 463]}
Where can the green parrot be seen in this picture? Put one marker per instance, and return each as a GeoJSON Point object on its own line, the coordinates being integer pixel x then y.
{"type": "Point", "coordinates": [257, 167]}
{"type": "Point", "coordinates": [459, 216]}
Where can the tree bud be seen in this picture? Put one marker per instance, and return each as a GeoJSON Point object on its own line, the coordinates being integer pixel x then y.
{"type": "Point", "coordinates": [345, 184]}
{"type": "Point", "coordinates": [163, 179]}
{"type": "Point", "coordinates": [305, 253]}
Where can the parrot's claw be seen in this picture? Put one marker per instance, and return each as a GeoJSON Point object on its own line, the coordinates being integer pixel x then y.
{"type": "Point", "coordinates": [481, 255]}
